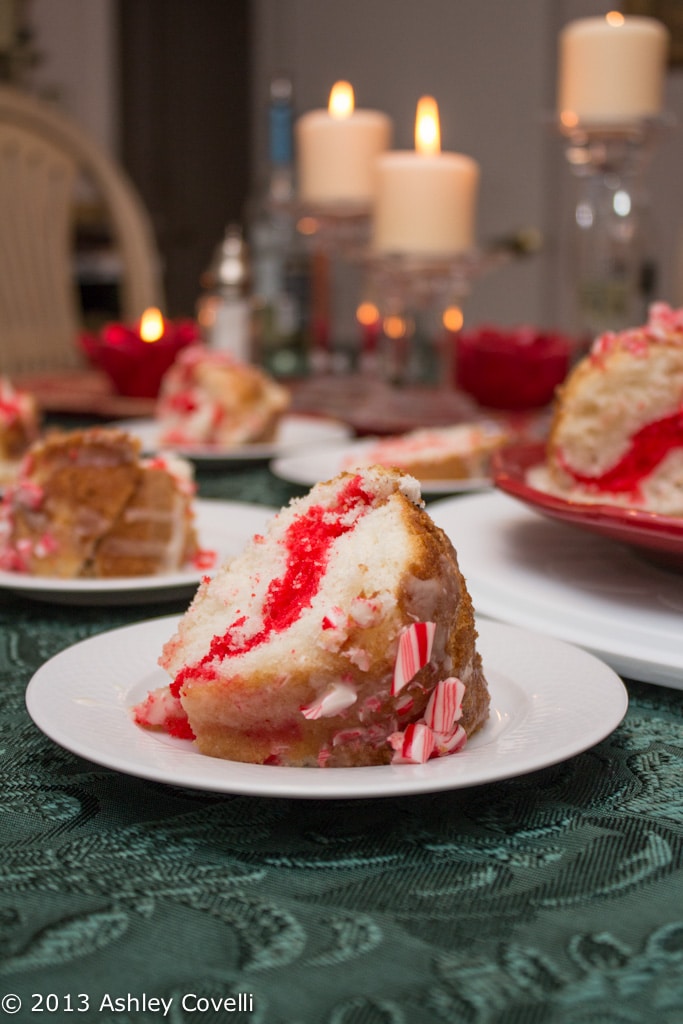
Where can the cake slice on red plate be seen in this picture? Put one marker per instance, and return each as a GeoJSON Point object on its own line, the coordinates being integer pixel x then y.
{"type": "Point", "coordinates": [617, 431]}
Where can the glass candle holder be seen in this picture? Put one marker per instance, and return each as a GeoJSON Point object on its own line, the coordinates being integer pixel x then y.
{"type": "Point", "coordinates": [613, 253]}
{"type": "Point", "coordinates": [336, 237]}
{"type": "Point", "coordinates": [420, 300]}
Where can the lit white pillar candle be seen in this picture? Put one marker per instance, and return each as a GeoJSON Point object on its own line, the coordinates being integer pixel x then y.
{"type": "Point", "coordinates": [337, 149]}
{"type": "Point", "coordinates": [426, 199]}
{"type": "Point", "coordinates": [611, 70]}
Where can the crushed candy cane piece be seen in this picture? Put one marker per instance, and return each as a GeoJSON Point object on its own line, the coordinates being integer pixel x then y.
{"type": "Point", "coordinates": [28, 494]}
{"type": "Point", "coordinates": [414, 745]}
{"type": "Point", "coordinates": [368, 611]}
{"type": "Point", "coordinates": [334, 618]}
{"type": "Point", "coordinates": [162, 710]}
{"type": "Point", "coordinates": [414, 652]}
{"type": "Point", "coordinates": [45, 546]}
{"type": "Point", "coordinates": [335, 629]}
{"type": "Point", "coordinates": [359, 657]}
{"type": "Point", "coordinates": [404, 705]}
{"type": "Point", "coordinates": [337, 697]}
{"type": "Point", "coordinates": [449, 743]}
{"type": "Point", "coordinates": [205, 558]}
{"type": "Point", "coordinates": [444, 707]}
{"type": "Point", "coordinates": [347, 736]}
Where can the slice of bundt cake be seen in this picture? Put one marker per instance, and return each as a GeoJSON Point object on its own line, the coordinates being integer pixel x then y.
{"type": "Point", "coordinates": [342, 636]}
{"type": "Point", "coordinates": [459, 452]}
{"type": "Point", "coordinates": [208, 397]}
{"type": "Point", "coordinates": [86, 505]}
{"type": "Point", "coordinates": [19, 427]}
{"type": "Point", "coordinates": [155, 531]}
{"type": "Point", "coordinates": [617, 431]}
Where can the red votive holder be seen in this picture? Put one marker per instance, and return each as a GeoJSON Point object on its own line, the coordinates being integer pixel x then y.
{"type": "Point", "coordinates": [511, 368]}
{"type": "Point", "coordinates": [134, 365]}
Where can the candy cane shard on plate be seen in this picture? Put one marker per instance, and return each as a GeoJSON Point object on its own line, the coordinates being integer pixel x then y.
{"type": "Point", "coordinates": [438, 732]}
{"type": "Point", "coordinates": [414, 652]}
{"type": "Point", "coordinates": [444, 707]}
{"type": "Point", "coordinates": [414, 745]}
{"type": "Point", "coordinates": [449, 743]}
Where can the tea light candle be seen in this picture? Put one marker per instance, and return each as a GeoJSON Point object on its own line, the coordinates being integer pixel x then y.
{"type": "Point", "coordinates": [337, 149]}
{"type": "Point", "coordinates": [426, 199]}
{"type": "Point", "coordinates": [611, 69]}
{"type": "Point", "coordinates": [136, 356]}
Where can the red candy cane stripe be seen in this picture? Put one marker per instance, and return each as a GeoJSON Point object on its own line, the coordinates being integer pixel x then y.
{"type": "Point", "coordinates": [444, 707]}
{"type": "Point", "coordinates": [414, 652]}
{"type": "Point", "coordinates": [404, 704]}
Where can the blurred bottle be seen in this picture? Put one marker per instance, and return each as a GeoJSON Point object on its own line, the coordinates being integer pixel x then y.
{"type": "Point", "coordinates": [279, 260]}
{"type": "Point", "coordinates": [223, 309]}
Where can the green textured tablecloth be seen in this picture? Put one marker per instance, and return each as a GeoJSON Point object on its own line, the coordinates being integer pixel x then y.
{"type": "Point", "coordinates": [553, 897]}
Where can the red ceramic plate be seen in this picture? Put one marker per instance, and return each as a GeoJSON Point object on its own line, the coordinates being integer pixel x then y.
{"type": "Point", "coordinates": [661, 537]}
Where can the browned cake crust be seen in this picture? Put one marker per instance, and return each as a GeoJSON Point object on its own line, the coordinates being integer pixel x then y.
{"type": "Point", "coordinates": [14, 440]}
{"type": "Point", "coordinates": [151, 533]}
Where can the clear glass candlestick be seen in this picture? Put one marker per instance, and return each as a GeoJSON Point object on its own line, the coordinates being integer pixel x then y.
{"type": "Point", "coordinates": [342, 228]}
{"type": "Point", "coordinates": [420, 300]}
{"type": "Point", "coordinates": [613, 253]}
{"type": "Point", "coordinates": [410, 341]}
{"type": "Point", "coordinates": [336, 237]}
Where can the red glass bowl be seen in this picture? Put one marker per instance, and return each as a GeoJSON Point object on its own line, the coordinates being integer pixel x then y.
{"type": "Point", "coordinates": [135, 367]}
{"type": "Point", "coordinates": [511, 369]}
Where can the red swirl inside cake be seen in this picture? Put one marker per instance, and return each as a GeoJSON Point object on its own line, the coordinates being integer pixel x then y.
{"type": "Point", "coordinates": [648, 447]}
{"type": "Point", "coordinates": [308, 541]}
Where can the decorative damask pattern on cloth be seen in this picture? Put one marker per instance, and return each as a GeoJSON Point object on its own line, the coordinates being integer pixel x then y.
{"type": "Point", "coordinates": [555, 897]}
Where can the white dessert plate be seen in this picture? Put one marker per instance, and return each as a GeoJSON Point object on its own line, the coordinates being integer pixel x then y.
{"type": "Point", "coordinates": [540, 689]}
{"type": "Point", "coordinates": [223, 527]}
{"type": "Point", "coordinates": [308, 468]}
{"type": "Point", "coordinates": [556, 578]}
{"type": "Point", "coordinates": [294, 433]}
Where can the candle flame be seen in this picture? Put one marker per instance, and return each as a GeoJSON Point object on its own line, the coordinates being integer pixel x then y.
{"type": "Point", "coordinates": [569, 119]}
{"type": "Point", "coordinates": [395, 327]}
{"type": "Point", "coordinates": [452, 319]}
{"type": "Point", "coordinates": [151, 324]}
{"type": "Point", "coordinates": [342, 101]}
{"type": "Point", "coordinates": [427, 128]}
{"type": "Point", "coordinates": [614, 18]}
{"type": "Point", "coordinates": [307, 225]}
{"type": "Point", "coordinates": [367, 314]}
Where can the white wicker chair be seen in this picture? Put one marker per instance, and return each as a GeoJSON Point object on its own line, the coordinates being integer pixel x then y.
{"type": "Point", "coordinates": [42, 154]}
